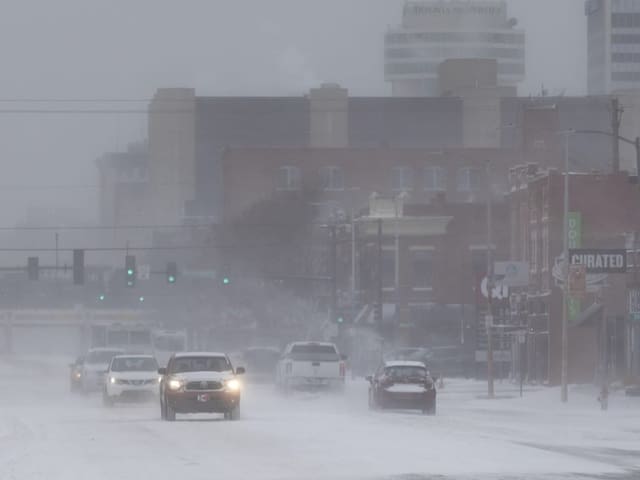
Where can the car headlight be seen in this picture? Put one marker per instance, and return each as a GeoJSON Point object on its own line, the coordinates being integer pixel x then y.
{"type": "Point", "coordinates": [77, 375]}
{"type": "Point", "coordinates": [175, 384]}
{"type": "Point", "coordinates": [232, 385]}
{"type": "Point", "coordinates": [112, 380]}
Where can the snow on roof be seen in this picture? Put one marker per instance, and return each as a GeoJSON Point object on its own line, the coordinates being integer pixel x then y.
{"type": "Point", "coordinates": [404, 363]}
{"type": "Point", "coordinates": [326, 344]}
{"type": "Point", "coordinates": [200, 354]}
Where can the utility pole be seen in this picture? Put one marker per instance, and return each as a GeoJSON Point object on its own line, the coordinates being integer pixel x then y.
{"type": "Point", "coordinates": [379, 304]}
{"type": "Point", "coordinates": [638, 156]}
{"type": "Point", "coordinates": [616, 121]}
{"type": "Point", "coordinates": [333, 270]}
{"type": "Point", "coordinates": [57, 247]}
{"type": "Point", "coordinates": [489, 318]}
{"type": "Point", "coordinates": [565, 296]}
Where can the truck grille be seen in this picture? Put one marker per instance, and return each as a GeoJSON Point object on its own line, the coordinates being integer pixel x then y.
{"type": "Point", "coordinates": [136, 382]}
{"type": "Point", "coordinates": [204, 386]}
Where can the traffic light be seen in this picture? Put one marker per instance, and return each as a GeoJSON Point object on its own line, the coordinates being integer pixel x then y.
{"type": "Point", "coordinates": [130, 270]}
{"type": "Point", "coordinates": [78, 267]}
{"type": "Point", "coordinates": [141, 299]}
{"type": "Point", "coordinates": [33, 269]}
{"type": "Point", "coordinates": [225, 275]}
{"type": "Point", "coordinates": [172, 272]}
{"type": "Point", "coordinates": [102, 297]}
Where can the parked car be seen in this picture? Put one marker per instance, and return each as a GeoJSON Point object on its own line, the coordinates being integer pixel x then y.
{"type": "Point", "coordinates": [311, 365]}
{"type": "Point", "coordinates": [95, 366]}
{"type": "Point", "coordinates": [402, 384]}
{"type": "Point", "coordinates": [75, 374]}
{"type": "Point", "coordinates": [200, 383]}
{"type": "Point", "coordinates": [131, 377]}
{"type": "Point", "coordinates": [261, 363]}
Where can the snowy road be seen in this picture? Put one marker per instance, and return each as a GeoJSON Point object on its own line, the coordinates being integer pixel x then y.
{"type": "Point", "coordinates": [47, 433]}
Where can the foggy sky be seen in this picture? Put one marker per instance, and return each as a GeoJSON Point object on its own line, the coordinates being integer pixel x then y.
{"type": "Point", "coordinates": [125, 49]}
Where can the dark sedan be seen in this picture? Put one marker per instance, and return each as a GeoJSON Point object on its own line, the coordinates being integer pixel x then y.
{"type": "Point", "coordinates": [403, 384]}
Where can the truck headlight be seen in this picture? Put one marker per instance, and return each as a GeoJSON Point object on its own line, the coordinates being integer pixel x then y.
{"type": "Point", "coordinates": [175, 384]}
{"type": "Point", "coordinates": [232, 385]}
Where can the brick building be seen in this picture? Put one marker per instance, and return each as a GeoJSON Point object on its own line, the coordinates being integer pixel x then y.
{"type": "Point", "coordinates": [433, 257]}
{"type": "Point", "coordinates": [188, 134]}
{"type": "Point", "coordinates": [604, 211]}
{"type": "Point", "coordinates": [347, 176]}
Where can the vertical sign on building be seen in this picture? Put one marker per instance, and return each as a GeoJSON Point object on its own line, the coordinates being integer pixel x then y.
{"type": "Point", "coordinates": [575, 241]}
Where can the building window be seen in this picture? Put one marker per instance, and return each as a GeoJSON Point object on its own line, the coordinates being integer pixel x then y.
{"type": "Point", "coordinates": [402, 179]}
{"type": "Point", "coordinates": [468, 179]}
{"type": "Point", "coordinates": [435, 179]}
{"type": "Point", "coordinates": [332, 178]}
{"type": "Point", "coordinates": [288, 178]}
{"type": "Point", "coordinates": [422, 263]}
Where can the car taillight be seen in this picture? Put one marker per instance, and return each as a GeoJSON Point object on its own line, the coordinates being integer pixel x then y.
{"type": "Point", "coordinates": [342, 369]}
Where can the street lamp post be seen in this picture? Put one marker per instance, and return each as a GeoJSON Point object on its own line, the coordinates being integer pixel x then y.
{"type": "Point", "coordinates": [489, 318]}
{"type": "Point", "coordinates": [565, 294]}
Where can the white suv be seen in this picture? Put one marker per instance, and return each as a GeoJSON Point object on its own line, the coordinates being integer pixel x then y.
{"type": "Point", "coordinates": [131, 377]}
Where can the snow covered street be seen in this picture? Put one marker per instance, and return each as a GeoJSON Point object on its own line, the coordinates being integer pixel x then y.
{"type": "Point", "coordinates": [48, 433]}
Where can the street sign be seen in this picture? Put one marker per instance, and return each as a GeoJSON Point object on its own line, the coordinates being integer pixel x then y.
{"type": "Point", "coordinates": [512, 274]}
{"type": "Point", "coordinates": [577, 280]}
{"type": "Point", "coordinates": [599, 260]}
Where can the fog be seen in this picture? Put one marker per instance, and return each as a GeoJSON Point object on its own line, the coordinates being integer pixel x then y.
{"type": "Point", "coordinates": [78, 49]}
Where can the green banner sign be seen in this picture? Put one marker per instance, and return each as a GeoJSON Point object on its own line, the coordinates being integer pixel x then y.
{"type": "Point", "coordinates": [574, 307]}
{"type": "Point", "coordinates": [575, 241]}
{"type": "Point", "coordinates": [575, 230]}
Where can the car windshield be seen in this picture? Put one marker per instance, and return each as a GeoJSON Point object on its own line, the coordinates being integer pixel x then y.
{"type": "Point", "coordinates": [134, 364]}
{"type": "Point", "coordinates": [401, 372]}
{"type": "Point", "coordinates": [200, 364]}
{"type": "Point", "coordinates": [102, 356]}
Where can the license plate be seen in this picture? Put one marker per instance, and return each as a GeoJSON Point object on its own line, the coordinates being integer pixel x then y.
{"type": "Point", "coordinates": [203, 397]}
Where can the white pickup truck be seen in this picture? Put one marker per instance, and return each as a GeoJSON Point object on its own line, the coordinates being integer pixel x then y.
{"type": "Point", "coordinates": [310, 366]}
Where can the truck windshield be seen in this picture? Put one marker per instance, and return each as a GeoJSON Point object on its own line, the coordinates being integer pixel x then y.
{"type": "Point", "coordinates": [200, 364]}
{"type": "Point", "coordinates": [134, 364]}
{"type": "Point", "coordinates": [102, 356]}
